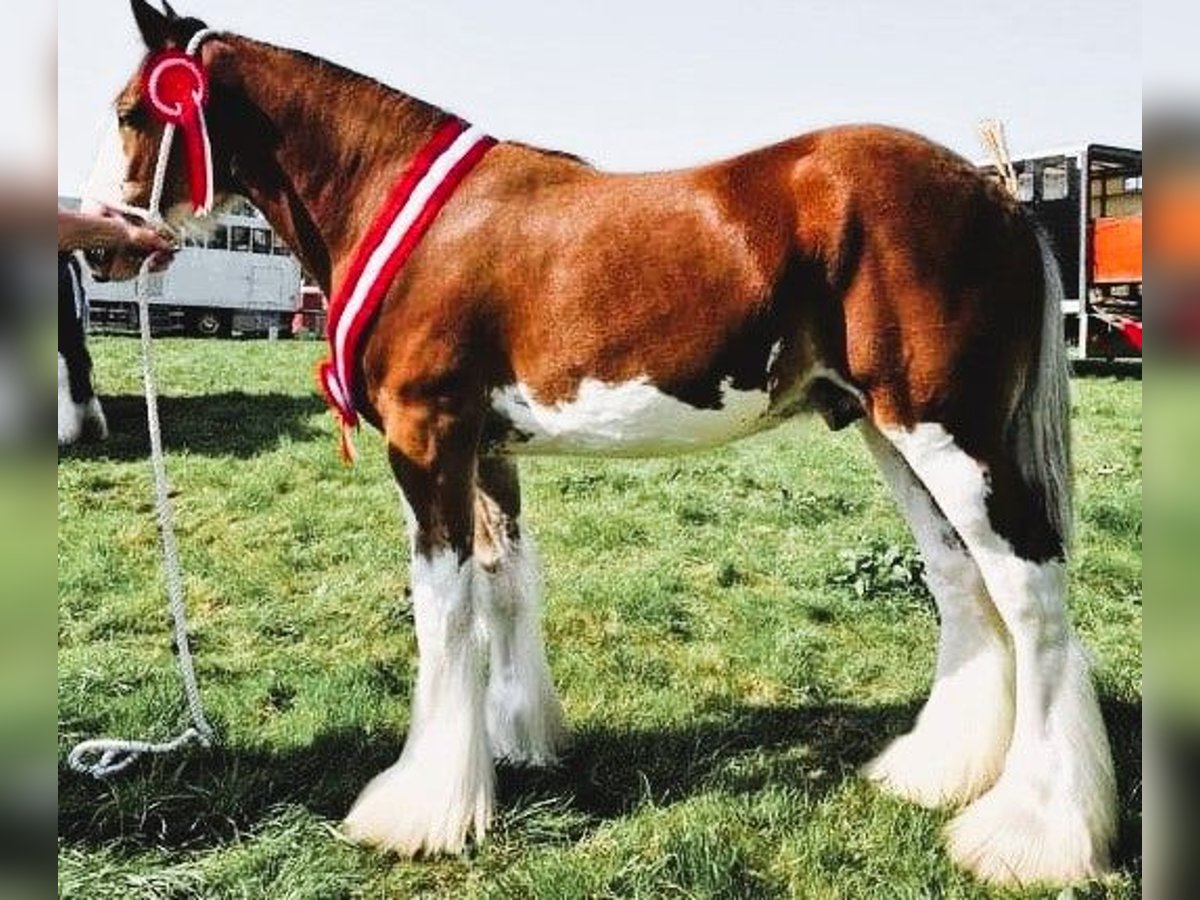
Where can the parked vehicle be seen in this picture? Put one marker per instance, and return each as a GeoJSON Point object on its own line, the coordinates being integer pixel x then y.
{"type": "Point", "coordinates": [242, 278]}
{"type": "Point", "coordinates": [311, 315]}
{"type": "Point", "coordinates": [1089, 200]}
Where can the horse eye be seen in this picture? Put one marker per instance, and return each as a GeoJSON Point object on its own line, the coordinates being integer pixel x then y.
{"type": "Point", "coordinates": [131, 117]}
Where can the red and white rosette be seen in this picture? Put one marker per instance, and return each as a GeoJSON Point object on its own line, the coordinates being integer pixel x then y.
{"type": "Point", "coordinates": [176, 88]}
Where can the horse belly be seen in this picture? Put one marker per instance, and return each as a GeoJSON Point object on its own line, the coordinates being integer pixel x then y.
{"type": "Point", "coordinates": [632, 418]}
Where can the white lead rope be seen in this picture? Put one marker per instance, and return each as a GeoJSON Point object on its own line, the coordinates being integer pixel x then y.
{"type": "Point", "coordinates": [116, 754]}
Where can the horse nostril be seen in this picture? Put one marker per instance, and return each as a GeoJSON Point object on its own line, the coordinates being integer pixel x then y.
{"type": "Point", "coordinates": [99, 258]}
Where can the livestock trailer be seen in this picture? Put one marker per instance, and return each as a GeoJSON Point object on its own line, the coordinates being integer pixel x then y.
{"type": "Point", "coordinates": [1089, 201]}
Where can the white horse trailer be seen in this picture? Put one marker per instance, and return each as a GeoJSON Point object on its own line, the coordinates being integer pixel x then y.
{"type": "Point", "coordinates": [240, 278]}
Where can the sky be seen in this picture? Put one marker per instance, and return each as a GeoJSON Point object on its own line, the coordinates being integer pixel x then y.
{"type": "Point", "coordinates": [663, 83]}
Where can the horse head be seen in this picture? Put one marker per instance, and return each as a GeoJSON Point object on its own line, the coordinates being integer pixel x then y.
{"type": "Point", "coordinates": [177, 80]}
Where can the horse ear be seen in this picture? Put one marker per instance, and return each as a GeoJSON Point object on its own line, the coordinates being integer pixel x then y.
{"type": "Point", "coordinates": [171, 14]}
{"type": "Point", "coordinates": [151, 23]}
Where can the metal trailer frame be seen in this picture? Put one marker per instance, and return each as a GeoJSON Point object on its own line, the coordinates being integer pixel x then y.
{"type": "Point", "coordinates": [1127, 161]}
{"type": "Point", "coordinates": [1083, 160]}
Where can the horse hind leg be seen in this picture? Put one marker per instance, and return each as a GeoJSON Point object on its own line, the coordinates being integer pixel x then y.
{"type": "Point", "coordinates": [955, 751]}
{"type": "Point", "coordinates": [1051, 815]}
{"type": "Point", "coordinates": [524, 717]}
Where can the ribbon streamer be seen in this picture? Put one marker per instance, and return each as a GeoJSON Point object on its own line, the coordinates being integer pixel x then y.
{"type": "Point", "coordinates": [177, 89]}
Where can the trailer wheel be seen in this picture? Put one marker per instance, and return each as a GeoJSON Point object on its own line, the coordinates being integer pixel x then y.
{"type": "Point", "coordinates": [210, 323]}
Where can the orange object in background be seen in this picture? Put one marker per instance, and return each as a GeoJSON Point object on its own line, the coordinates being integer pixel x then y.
{"type": "Point", "coordinates": [1176, 229]}
{"type": "Point", "coordinates": [1116, 251]}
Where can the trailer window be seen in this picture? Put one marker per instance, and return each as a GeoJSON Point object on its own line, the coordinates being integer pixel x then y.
{"type": "Point", "coordinates": [261, 240]}
{"type": "Point", "coordinates": [219, 239]}
{"type": "Point", "coordinates": [281, 249]}
{"type": "Point", "coordinates": [239, 238]}
{"type": "Point", "coordinates": [1054, 183]}
{"type": "Point", "coordinates": [1025, 187]}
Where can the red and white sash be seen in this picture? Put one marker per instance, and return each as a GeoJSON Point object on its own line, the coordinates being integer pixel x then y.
{"type": "Point", "coordinates": [415, 201]}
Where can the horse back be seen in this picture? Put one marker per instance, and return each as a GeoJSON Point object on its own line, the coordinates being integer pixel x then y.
{"type": "Point", "coordinates": [863, 256]}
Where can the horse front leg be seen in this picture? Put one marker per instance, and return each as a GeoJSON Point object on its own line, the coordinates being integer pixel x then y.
{"type": "Point", "coordinates": [524, 717]}
{"type": "Point", "coordinates": [440, 793]}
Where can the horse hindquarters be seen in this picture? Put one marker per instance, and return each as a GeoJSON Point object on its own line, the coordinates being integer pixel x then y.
{"type": "Point", "coordinates": [1051, 815]}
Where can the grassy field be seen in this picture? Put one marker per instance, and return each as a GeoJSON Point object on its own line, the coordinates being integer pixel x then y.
{"type": "Point", "coordinates": [733, 633]}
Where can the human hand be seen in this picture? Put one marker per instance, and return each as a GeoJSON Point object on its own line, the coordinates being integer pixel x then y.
{"type": "Point", "coordinates": [139, 239]}
{"type": "Point", "coordinates": [114, 245]}
{"type": "Point", "coordinates": [130, 236]}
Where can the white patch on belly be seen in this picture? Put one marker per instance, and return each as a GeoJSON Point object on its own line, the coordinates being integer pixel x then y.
{"type": "Point", "coordinates": [633, 418]}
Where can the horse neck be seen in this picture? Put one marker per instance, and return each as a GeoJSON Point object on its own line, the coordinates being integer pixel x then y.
{"type": "Point", "coordinates": [316, 148]}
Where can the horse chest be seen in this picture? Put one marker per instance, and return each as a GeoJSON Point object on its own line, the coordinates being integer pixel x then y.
{"type": "Point", "coordinates": [632, 418]}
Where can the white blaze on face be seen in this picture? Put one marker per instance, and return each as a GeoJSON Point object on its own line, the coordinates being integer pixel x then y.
{"type": "Point", "coordinates": [105, 187]}
{"type": "Point", "coordinates": [105, 183]}
{"type": "Point", "coordinates": [632, 418]}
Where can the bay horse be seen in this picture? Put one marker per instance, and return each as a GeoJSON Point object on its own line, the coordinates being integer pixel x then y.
{"type": "Point", "coordinates": [859, 272]}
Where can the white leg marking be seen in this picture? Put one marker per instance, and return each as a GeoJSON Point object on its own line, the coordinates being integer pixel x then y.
{"type": "Point", "coordinates": [70, 414]}
{"type": "Point", "coordinates": [1051, 816]}
{"type": "Point", "coordinates": [956, 749]}
{"type": "Point", "coordinates": [524, 717]}
{"type": "Point", "coordinates": [440, 792]}
{"type": "Point", "coordinates": [94, 420]}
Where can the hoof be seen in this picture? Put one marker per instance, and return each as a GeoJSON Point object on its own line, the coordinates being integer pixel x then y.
{"type": "Point", "coordinates": [1014, 835]}
{"type": "Point", "coordinates": [418, 810]}
{"type": "Point", "coordinates": [930, 776]}
{"type": "Point", "coordinates": [521, 733]}
{"type": "Point", "coordinates": [957, 748]}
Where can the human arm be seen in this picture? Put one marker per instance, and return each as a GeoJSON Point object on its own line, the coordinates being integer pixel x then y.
{"type": "Point", "coordinates": [88, 231]}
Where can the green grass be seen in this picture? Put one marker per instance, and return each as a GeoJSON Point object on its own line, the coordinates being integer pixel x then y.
{"type": "Point", "coordinates": [733, 633]}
